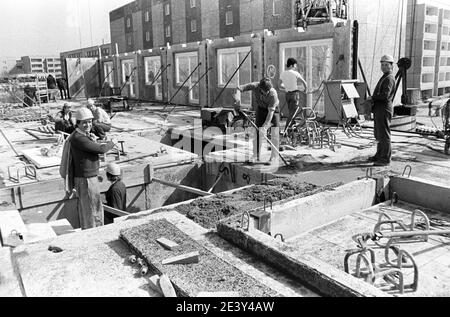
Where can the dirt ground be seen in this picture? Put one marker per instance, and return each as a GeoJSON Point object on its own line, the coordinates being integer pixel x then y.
{"type": "Point", "coordinates": [207, 212]}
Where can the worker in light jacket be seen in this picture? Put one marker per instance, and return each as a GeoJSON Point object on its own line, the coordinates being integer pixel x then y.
{"type": "Point", "coordinates": [266, 102]}
{"type": "Point", "coordinates": [84, 151]}
{"type": "Point", "coordinates": [382, 100]}
{"type": "Point", "coordinates": [102, 122]}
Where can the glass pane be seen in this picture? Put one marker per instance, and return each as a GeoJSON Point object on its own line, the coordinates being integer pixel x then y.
{"type": "Point", "coordinates": [320, 69]}
{"type": "Point", "coordinates": [229, 65]}
{"type": "Point", "coordinates": [183, 69]}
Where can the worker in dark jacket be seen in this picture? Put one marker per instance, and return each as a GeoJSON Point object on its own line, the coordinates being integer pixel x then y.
{"type": "Point", "coordinates": [116, 196]}
{"type": "Point", "coordinates": [85, 151]}
{"type": "Point", "coordinates": [62, 86]}
{"type": "Point", "coordinates": [383, 98]}
{"type": "Point", "coordinates": [64, 121]}
{"type": "Point", "coordinates": [266, 102]}
{"type": "Point", "coordinates": [51, 82]}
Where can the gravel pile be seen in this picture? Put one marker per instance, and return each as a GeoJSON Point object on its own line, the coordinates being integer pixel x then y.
{"type": "Point", "coordinates": [211, 274]}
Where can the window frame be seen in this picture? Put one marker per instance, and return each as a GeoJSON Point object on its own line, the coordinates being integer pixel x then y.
{"type": "Point", "coordinates": [147, 16]}
{"type": "Point", "coordinates": [194, 29]}
{"type": "Point", "coordinates": [167, 28]}
{"type": "Point", "coordinates": [147, 36]}
{"type": "Point", "coordinates": [193, 3]}
{"type": "Point", "coordinates": [128, 22]}
{"type": "Point", "coordinates": [167, 9]}
{"type": "Point", "coordinates": [158, 92]}
{"type": "Point", "coordinates": [236, 50]}
{"type": "Point", "coordinates": [227, 22]}
{"type": "Point", "coordinates": [108, 77]}
{"type": "Point", "coordinates": [178, 82]}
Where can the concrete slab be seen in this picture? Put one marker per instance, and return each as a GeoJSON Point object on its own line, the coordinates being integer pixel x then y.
{"type": "Point", "coordinates": [10, 285]}
{"type": "Point", "coordinates": [41, 161]}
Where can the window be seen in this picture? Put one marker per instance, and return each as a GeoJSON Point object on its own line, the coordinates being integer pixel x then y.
{"type": "Point", "coordinates": [128, 22]}
{"type": "Point", "coordinates": [427, 78]}
{"type": "Point", "coordinates": [448, 61]}
{"type": "Point", "coordinates": [168, 31]}
{"type": "Point", "coordinates": [447, 76]}
{"type": "Point", "coordinates": [129, 40]}
{"type": "Point", "coordinates": [431, 11]}
{"type": "Point", "coordinates": [153, 73]}
{"type": "Point", "coordinates": [445, 30]}
{"type": "Point", "coordinates": [192, 3]}
{"type": "Point", "coordinates": [127, 71]}
{"type": "Point", "coordinates": [431, 28]}
{"type": "Point", "coordinates": [446, 14]}
{"type": "Point", "coordinates": [108, 73]}
{"type": "Point", "coordinates": [193, 25]}
{"type": "Point", "coordinates": [228, 61]}
{"type": "Point", "coordinates": [147, 16]}
{"type": "Point", "coordinates": [448, 49]}
{"type": "Point", "coordinates": [429, 45]}
{"type": "Point", "coordinates": [229, 17]}
{"type": "Point", "coordinates": [444, 46]}
{"type": "Point", "coordinates": [147, 36]}
{"type": "Point", "coordinates": [443, 61]}
{"type": "Point", "coordinates": [185, 63]}
{"type": "Point", "coordinates": [441, 76]}
{"type": "Point", "coordinates": [315, 62]}
{"type": "Point", "coordinates": [167, 8]}
{"type": "Point", "coordinates": [428, 61]}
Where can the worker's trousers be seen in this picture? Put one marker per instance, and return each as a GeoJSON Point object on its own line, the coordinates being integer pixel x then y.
{"type": "Point", "coordinates": [261, 116]}
{"type": "Point", "coordinates": [382, 130]}
{"type": "Point", "coordinates": [294, 100]}
{"type": "Point", "coordinates": [89, 206]}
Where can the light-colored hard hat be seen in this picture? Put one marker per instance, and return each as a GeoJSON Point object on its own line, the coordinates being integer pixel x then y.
{"type": "Point", "coordinates": [113, 169]}
{"type": "Point", "coordinates": [387, 58]}
{"type": "Point", "coordinates": [84, 114]}
{"type": "Point", "coordinates": [91, 102]}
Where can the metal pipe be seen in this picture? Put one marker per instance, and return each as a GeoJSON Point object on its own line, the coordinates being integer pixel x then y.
{"type": "Point", "coordinates": [182, 187]}
{"type": "Point", "coordinates": [413, 233]}
{"type": "Point", "coordinates": [355, 49]}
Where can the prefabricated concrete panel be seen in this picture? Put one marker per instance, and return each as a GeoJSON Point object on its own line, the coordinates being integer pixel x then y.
{"type": "Point", "coordinates": [422, 192]}
{"type": "Point", "coordinates": [83, 77]}
{"type": "Point", "coordinates": [210, 18]}
{"type": "Point", "coordinates": [158, 22]}
{"type": "Point", "coordinates": [178, 23]}
{"type": "Point", "coordinates": [251, 16]}
{"type": "Point", "coordinates": [299, 216]}
{"type": "Point", "coordinates": [148, 92]}
{"type": "Point", "coordinates": [138, 34]}
{"type": "Point", "coordinates": [118, 35]}
{"type": "Point", "coordinates": [182, 97]}
{"type": "Point", "coordinates": [127, 89]}
{"type": "Point", "coordinates": [257, 67]}
{"type": "Point", "coordinates": [281, 18]}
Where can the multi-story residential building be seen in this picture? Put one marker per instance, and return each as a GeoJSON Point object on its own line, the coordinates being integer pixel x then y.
{"type": "Point", "coordinates": [41, 64]}
{"type": "Point", "coordinates": [86, 52]}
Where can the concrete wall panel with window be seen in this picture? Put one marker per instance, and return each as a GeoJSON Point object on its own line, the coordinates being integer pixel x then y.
{"type": "Point", "coordinates": [224, 56]}
{"type": "Point", "coordinates": [317, 52]}
{"type": "Point", "coordinates": [147, 26]}
{"type": "Point", "coordinates": [251, 16]}
{"type": "Point", "coordinates": [167, 21]}
{"type": "Point", "coordinates": [153, 75]}
{"type": "Point", "coordinates": [209, 11]}
{"type": "Point", "coordinates": [157, 22]}
{"type": "Point", "coordinates": [278, 14]}
{"type": "Point", "coordinates": [129, 67]}
{"type": "Point", "coordinates": [179, 30]}
{"type": "Point", "coordinates": [229, 18]}
{"type": "Point", "coordinates": [185, 58]}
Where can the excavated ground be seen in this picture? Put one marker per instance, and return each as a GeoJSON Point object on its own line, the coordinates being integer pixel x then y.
{"type": "Point", "coordinates": [210, 274]}
{"type": "Point", "coordinates": [207, 212]}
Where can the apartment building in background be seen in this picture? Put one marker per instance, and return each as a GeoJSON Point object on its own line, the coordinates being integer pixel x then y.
{"type": "Point", "coordinates": [41, 64]}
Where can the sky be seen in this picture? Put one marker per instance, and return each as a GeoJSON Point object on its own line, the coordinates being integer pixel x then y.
{"type": "Point", "coordinates": [48, 27]}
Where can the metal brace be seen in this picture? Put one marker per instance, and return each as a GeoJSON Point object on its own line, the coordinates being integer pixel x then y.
{"type": "Point", "coordinates": [244, 214]}
{"type": "Point", "coordinates": [404, 171]}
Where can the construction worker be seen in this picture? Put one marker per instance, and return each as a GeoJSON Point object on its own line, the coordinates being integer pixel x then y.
{"type": "Point", "coordinates": [382, 99]}
{"type": "Point", "coordinates": [290, 82]}
{"type": "Point", "coordinates": [62, 86]}
{"type": "Point", "coordinates": [84, 151]}
{"type": "Point", "coordinates": [116, 196]}
{"type": "Point", "coordinates": [64, 121]}
{"type": "Point", "coordinates": [102, 122]}
{"type": "Point", "coordinates": [30, 96]}
{"type": "Point", "coordinates": [51, 82]}
{"type": "Point", "coordinates": [266, 102]}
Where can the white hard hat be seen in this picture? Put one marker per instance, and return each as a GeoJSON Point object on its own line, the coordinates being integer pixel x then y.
{"type": "Point", "coordinates": [387, 58]}
{"type": "Point", "coordinates": [91, 102]}
{"type": "Point", "coordinates": [84, 114]}
{"type": "Point", "coordinates": [113, 169]}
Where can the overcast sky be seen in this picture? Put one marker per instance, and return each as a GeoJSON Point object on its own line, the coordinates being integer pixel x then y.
{"type": "Point", "coordinates": [48, 27]}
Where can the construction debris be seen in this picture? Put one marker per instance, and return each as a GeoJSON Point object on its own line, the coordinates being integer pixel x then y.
{"type": "Point", "coordinates": [189, 258]}
{"type": "Point", "coordinates": [166, 243]}
{"type": "Point", "coordinates": [166, 286]}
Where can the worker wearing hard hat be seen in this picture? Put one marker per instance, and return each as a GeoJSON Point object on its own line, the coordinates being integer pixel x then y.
{"type": "Point", "coordinates": [383, 98]}
{"type": "Point", "coordinates": [84, 151]}
{"type": "Point", "coordinates": [101, 122]}
{"type": "Point", "coordinates": [116, 196]}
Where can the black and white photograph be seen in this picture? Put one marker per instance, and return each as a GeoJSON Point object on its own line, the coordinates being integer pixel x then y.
{"type": "Point", "coordinates": [228, 154]}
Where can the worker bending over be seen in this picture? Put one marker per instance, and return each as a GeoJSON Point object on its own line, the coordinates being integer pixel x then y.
{"type": "Point", "coordinates": [265, 100]}
{"type": "Point", "coordinates": [101, 123]}
{"type": "Point", "coordinates": [84, 151]}
{"type": "Point", "coordinates": [290, 82]}
{"type": "Point", "coordinates": [383, 98]}
{"type": "Point", "coordinates": [116, 196]}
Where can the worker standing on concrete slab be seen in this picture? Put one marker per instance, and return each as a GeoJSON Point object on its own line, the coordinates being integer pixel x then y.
{"type": "Point", "coordinates": [85, 162]}
{"type": "Point", "coordinates": [62, 86]}
{"type": "Point", "coordinates": [267, 114]}
{"type": "Point", "coordinates": [102, 122]}
{"type": "Point", "coordinates": [116, 196]}
{"type": "Point", "coordinates": [383, 97]}
{"type": "Point", "coordinates": [64, 121]}
{"type": "Point", "coordinates": [290, 82]}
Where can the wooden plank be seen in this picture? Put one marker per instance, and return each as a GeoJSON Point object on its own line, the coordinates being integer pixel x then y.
{"type": "Point", "coordinates": [116, 212]}
{"type": "Point", "coordinates": [167, 244]}
{"type": "Point", "coordinates": [39, 232]}
{"type": "Point", "coordinates": [41, 161]}
{"type": "Point", "coordinates": [166, 286]}
{"type": "Point", "coordinates": [154, 284]}
{"type": "Point", "coordinates": [188, 258]}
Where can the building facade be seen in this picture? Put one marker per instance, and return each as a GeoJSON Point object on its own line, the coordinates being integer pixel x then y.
{"type": "Point", "coordinates": [41, 64]}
